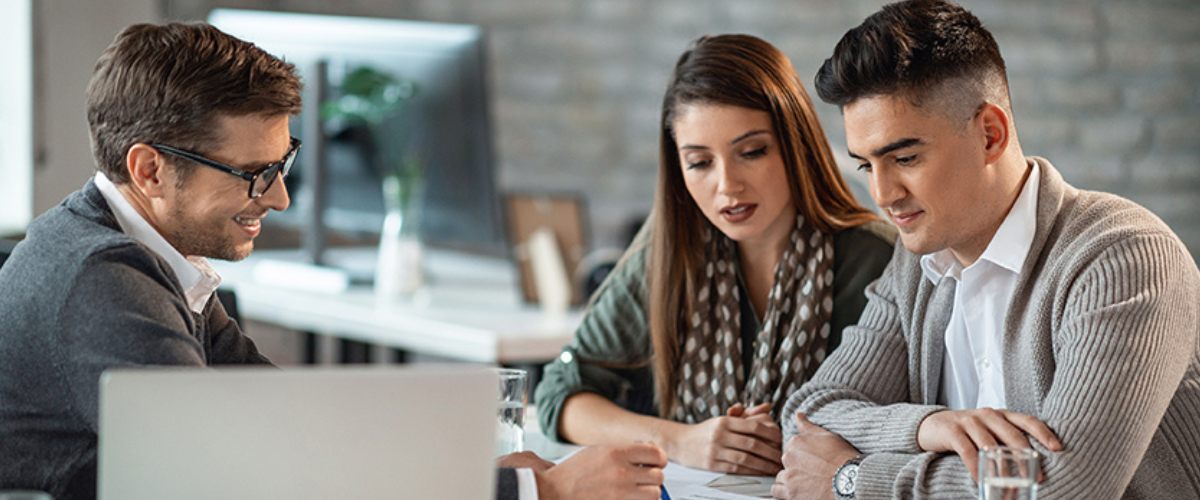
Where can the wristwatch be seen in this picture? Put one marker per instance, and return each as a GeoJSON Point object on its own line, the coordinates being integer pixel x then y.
{"type": "Point", "coordinates": [846, 477]}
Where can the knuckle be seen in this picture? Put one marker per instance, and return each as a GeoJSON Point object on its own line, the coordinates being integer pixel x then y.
{"type": "Point", "coordinates": [657, 476]}
{"type": "Point", "coordinates": [710, 459]}
{"type": "Point", "coordinates": [661, 455]}
{"type": "Point", "coordinates": [787, 453]}
{"type": "Point", "coordinates": [792, 442]}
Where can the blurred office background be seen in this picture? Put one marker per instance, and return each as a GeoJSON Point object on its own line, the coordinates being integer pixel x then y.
{"type": "Point", "coordinates": [1108, 90]}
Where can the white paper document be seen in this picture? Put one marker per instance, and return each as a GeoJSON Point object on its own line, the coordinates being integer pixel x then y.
{"type": "Point", "coordinates": [686, 483]}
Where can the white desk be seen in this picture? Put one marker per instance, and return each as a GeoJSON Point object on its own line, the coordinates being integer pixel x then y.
{"type": "Point", "coordinates": [470, 309]}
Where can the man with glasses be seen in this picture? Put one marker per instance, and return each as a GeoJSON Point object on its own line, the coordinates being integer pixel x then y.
{"type": "Point", "coordinates": [190, 134]}
{"type": "Point", "coordinates": [189, 130]}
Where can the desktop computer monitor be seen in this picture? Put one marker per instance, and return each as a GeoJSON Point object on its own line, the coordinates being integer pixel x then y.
{"type": "Point", "coordinates": [444, 124]}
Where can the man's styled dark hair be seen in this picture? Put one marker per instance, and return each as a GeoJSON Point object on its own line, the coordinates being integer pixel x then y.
{"type": "Point", "coordinates": [170, 83]}
{"type": "Point", "coordinates": [922, 50]}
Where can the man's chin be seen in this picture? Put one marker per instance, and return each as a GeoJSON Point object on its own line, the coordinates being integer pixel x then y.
{"type": "Point", "coordinates": [915, 244]}
{"type": "Point", "coordinates": [240, 252]}
{"type": "Point", "coordinates": [233, 253]}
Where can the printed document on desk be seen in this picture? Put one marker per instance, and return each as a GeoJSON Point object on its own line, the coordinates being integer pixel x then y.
{"type": "Point", "coordinates": [686, 483]}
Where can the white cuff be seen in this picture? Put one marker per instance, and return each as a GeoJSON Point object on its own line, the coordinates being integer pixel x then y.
{"type": "Point", "coordinates": [526, 485]}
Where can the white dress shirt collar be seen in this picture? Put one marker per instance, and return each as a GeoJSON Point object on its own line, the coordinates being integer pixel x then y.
{"type": "Point", "coordinates": [196, 276]}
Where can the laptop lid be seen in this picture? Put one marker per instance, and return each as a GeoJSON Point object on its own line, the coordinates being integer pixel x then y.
{"type": "Point", "coordinates": [254, 433]}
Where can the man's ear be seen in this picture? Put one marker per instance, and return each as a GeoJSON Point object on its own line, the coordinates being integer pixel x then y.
{"type": "Point", "coordinates": [994, 122]}
{"type": "Point", "coordinates": [148, 171]}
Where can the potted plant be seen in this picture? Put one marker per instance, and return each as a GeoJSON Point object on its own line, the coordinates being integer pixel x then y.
{"type": "Point", "coordinates": [373, 100]}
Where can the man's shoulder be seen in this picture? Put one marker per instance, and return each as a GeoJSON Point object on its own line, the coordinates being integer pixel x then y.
{"type": "Point", "coordinates": [1111, 210]}
{"type": "Point", "coordinates": [1097, 220]}
{"type": "Point", "coordinates": [61, 243]}
{"type": "Point", "coordinates": [64, 233]}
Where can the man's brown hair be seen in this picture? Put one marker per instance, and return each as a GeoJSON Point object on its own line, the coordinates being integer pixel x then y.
{"type": "Point", "coordinates": [170, 83]}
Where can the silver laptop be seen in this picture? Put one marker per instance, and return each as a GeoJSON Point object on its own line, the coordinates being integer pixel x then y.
{"type": "Point", "coordinates": [319, 433]}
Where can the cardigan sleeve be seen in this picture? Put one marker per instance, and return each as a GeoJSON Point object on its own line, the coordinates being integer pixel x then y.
{"type": "Point", "coordinates": [861, 392]}
{"type": "Point", "coordinates": [1126, 337]}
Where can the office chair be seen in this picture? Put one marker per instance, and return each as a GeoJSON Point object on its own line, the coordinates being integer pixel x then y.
{"type": "Point", "coordinates": [6, 248]}
{"type": "Point", "coordinates": [229, 301]}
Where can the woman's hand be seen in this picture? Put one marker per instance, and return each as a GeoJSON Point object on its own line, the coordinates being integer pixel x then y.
{"type": "Point", "coordinates": [740, 410]}
{"type": "Point", "coordinates": [745, 441]}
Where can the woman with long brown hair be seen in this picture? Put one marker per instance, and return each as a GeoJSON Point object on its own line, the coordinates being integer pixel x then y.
{"type": "Point", "coordinates": [753, 260]}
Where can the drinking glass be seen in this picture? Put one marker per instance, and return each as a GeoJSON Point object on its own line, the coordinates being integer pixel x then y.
{"type": "Point", "coordinates": [510, 425]}
{"type": "Point", "coordinates": [1007, 473]}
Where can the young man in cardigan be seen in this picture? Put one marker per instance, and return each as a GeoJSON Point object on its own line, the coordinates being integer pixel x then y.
{"type": "Point", "coordinates": [1018, 311]}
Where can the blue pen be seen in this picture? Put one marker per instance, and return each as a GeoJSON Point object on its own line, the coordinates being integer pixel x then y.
{"type": "Point", "coordinates": [665, 496]}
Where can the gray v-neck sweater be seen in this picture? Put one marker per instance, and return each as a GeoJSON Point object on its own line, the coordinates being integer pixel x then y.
{"type": "Point", "coordinates": [1102, 344]}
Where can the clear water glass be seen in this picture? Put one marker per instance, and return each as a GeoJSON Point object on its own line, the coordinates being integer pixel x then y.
{"type": "Point", "coordinates": [1007, 473]}
{"type": "Point", "coordinates": [510, 413]}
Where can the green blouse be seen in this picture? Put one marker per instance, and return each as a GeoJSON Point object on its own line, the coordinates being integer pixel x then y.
{"type": "Point", "coordinates": [611, 350]}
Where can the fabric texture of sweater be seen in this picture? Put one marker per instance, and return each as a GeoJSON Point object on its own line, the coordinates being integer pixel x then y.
{"type": "Point", "coordinates": [610, 352]}
{"type": "Point", "coordinates": [78, 297]}
{"type": "Point", "coordinates": [1102, 343]}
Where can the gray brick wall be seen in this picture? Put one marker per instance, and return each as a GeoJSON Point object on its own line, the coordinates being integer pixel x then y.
{"type": "Point", "coordinates": [1108, 90]}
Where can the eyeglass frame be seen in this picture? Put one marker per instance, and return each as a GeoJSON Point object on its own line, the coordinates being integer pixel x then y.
{"type": "Point", "coordinates": [283, 166]}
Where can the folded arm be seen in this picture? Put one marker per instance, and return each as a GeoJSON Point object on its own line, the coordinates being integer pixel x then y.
{"type": "Point", "coordinates": [1121, 345]}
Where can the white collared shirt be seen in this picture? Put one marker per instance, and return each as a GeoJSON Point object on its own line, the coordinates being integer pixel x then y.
{"type": "Point", "coordinates": [196, 275]}
{"type": "Point", "coordinates": [973, 364]}
{"type": "Point", "coordinates": [526, 485]}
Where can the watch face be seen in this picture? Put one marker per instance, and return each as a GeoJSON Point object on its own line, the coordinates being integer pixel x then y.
{"type": "Point", "coordinates": [845, 479]}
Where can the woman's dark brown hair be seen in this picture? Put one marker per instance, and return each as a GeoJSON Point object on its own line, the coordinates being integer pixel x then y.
{"type": "Point", "coordinates": [747, 72]}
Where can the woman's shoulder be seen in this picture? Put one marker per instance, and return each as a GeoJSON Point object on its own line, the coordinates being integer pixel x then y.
{"type": "Point", "coordinates": [877, 236]}
{"type": "Point", "coordinates": [860, 254]}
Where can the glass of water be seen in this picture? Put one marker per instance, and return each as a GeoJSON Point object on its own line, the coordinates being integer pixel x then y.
{"type": "Point", "coordinates": [1007, 473]}
{"type": "Point", "coordinates": [510, 425]}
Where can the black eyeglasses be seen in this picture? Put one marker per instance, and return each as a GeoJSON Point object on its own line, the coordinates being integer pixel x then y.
{"type": "Point", "coordinates": [260, 181]}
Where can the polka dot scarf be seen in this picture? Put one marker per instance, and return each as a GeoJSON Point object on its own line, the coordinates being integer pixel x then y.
{"type": "Point", "coordinates": [790, 345]}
